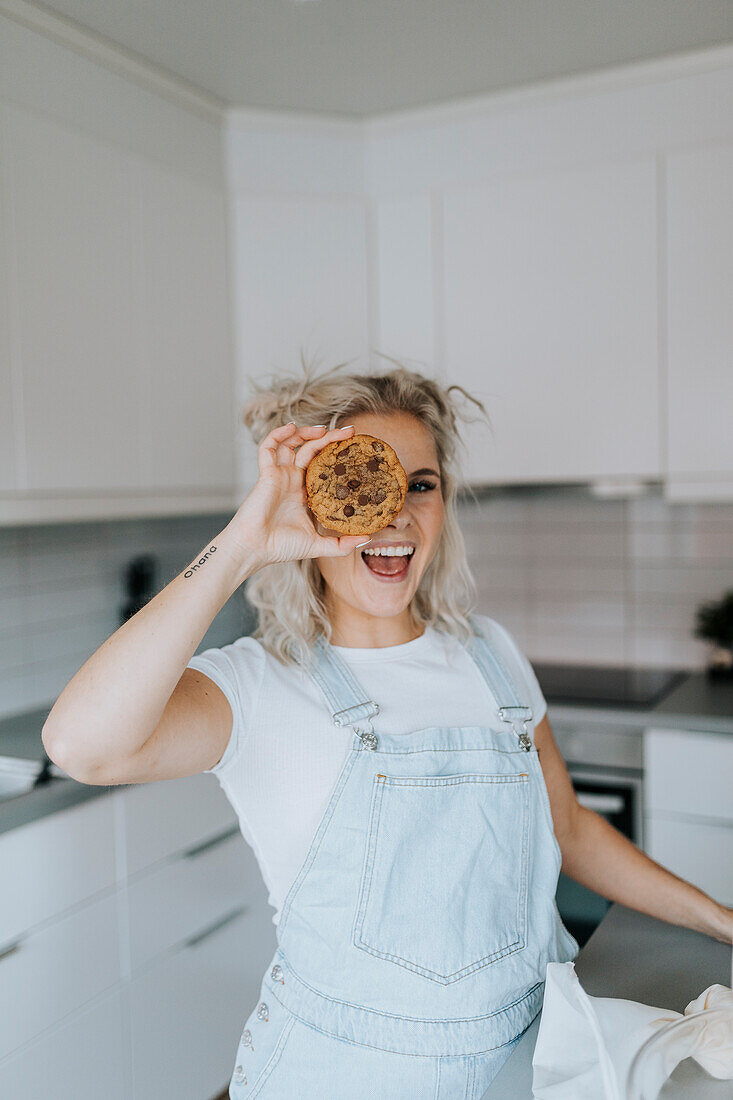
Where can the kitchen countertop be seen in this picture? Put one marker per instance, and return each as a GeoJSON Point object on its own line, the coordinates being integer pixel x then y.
{"type": "Point", "coordinates": [637, 958]}
{"type": "Point", "coordinates": [698, 703]}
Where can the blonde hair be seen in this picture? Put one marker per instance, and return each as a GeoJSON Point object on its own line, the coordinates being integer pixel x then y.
{"type": "Point", "coordinates": [289, 596]}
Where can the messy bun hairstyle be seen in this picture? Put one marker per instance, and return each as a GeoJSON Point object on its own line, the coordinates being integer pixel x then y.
{"type": "Point", "coordinates": [289, 596]}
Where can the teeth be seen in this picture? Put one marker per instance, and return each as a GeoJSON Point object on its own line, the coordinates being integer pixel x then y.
{"type": "Point", "coordinates": [390, 551]}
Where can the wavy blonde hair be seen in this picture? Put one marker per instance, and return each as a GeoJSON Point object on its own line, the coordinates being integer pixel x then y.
{"type": "Point", "coordinates": [289, 596]}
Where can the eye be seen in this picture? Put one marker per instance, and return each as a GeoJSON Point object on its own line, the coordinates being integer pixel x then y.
{"type": "Point", "coordinates": [422, 486]}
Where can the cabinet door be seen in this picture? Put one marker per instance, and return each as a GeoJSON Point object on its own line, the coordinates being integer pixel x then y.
{"type": "Point", "coordinates": [301, 285]}
{"type": "Point", "coordinates": [187, 408]}
{"type": "Point", "coordinates": [83, 1059]}
{"type": "Point", "coordinates": [188, 1010]}
{"type": "Point", "coordinates": [56, 862]}
{"type": "Point", "coordinates": [551, 319]}
{"type": "Point", "coordinates": [168, 816]}
{"type": "Point", "coordinates": [56, 969]}
{"type": "Point", "coordinates": [9, 471]}
{"type": "Point", "coordinates": [75, 213]}
{"type": "Point", "coordinates": [700, 323]}
{"type": "Point", "coordinates": [697, 850]}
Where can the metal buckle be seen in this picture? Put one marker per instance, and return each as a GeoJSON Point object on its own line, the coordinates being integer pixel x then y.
{"type": "Point", "coordinates": [515, 719]}
{"type": "Point", "coordinates": [339, 721]}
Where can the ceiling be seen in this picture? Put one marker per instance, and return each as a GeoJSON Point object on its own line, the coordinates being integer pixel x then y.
{"type": "Point", "coordinates": [365, 57]}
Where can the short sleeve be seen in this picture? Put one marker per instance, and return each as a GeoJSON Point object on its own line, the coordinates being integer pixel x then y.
{"type": "Point", "coordinates": [237, 670]}
{"type": "Point", "coordinates": [520, 665]}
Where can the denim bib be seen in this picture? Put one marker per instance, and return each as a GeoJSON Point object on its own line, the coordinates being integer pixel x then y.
{"type": "Point", "coordinates": [423, 917]}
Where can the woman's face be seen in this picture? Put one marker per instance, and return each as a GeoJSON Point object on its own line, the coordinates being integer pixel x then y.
{"type": "Point", "coordinates": [379, 585]}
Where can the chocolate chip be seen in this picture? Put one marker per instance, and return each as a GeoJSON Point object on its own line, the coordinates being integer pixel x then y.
{"type": "Point", "coordinates": [339, 468]}
{"type": "Point", "coordinates": [323, 476]}
{"type": "Point", "coordinates": [342, 492]}
{"type": "Point", "coordinates": [353, 483]}
{"type": "Point", "coordinates": [363, 498]}
{"type": "Point", "coordinates": [379, 496]}
{"type": "Point", "coordinates": [346, 449]}
{"type": "Point", "coordinates": [348, 510]}
{"type": "Point", "coordinates": [372, 464]}
{"type": "Point", "coordinates": [377, 446]}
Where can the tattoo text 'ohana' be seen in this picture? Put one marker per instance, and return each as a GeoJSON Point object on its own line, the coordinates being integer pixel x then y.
{"type": "Point", "coordinates": [190, 572]}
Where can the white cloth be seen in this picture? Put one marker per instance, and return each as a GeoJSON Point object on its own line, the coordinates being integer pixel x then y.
{"type": "Point", "coordinates": [586, 1045]}
{"type": "Point", "coordinates": [284, 755]}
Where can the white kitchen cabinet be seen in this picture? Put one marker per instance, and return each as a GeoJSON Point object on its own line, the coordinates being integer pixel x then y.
{"type": "Point", "coordinates": [550, 318]}
{"type": "Point", "coordinates": [74, 204]}
{"type": "Point", "coordinates": [699, 225]}
{"type": "Point", "coordinates": [58, 862]}
{"type": "Point", "coordinates": [301, 286]}
{"type": "Point", "coordinates": [187, 1010]}
{"type": "Point", "coordinates": [167, 817]}
{"type": "Point", "coordinates": [9, 472]}
{"type": "Point", "coordinates": [696, 850]}
{"type": "Point", "coordinates": [406, 267]}
{"type": "Point", "coordinates": [83, 1058]}
{"type": "Point", "coordinates": [56, 969]}
{"type": "Point", "coordinates": [121, 342]}
{"type": "Point", "coordinates": [688, 809]}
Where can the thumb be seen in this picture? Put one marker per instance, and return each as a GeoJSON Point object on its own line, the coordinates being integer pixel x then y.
{"type": "Point", "coordinates": [350, 543]}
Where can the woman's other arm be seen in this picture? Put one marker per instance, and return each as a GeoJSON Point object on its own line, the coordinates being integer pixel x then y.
{"type": "Point", "coordinates": [598, 856]}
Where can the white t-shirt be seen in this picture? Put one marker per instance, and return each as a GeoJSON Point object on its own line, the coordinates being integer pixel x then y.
{"type": "Point", "coordinates": [284, 754]}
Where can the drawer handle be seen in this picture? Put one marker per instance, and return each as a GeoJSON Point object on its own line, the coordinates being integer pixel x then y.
{"type": "Point", "coordinates": [10, 949]}
{"type": "Point", "coordinates": [197, 849]}
{"type": "Point", "coordinates": [201, 936]}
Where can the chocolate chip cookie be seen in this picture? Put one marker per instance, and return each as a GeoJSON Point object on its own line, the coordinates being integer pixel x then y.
{"type": "Point", "coordinates": [356, 486]}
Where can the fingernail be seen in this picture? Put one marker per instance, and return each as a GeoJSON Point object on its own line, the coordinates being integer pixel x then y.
{"type": "Point", "coordinates": [360, 544]}
{"type": "Point", "coordinates": [318, 425]}
{"type": "Point", "coordinates": [345, 426]}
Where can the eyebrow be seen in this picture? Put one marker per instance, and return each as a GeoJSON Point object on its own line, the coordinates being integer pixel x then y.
{"type": "Point", "coordinates": [424, 470]}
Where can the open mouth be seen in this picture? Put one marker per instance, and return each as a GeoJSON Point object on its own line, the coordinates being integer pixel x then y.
{"type": "Point", "coordinates": [388, 562]}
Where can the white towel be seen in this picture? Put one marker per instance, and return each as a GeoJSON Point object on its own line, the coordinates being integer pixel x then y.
{"type": "Point", "coordinates": [604, 1048]}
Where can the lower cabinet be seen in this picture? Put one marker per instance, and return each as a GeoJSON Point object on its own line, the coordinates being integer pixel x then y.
{"type": "Point", "coordinates": [84, 1058]}
{"type": "Point", "coordinates": [188, 1009]}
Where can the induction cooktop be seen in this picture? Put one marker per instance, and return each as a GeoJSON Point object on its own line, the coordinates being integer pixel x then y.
{"type": "Point", "coordinates": [606, 685]}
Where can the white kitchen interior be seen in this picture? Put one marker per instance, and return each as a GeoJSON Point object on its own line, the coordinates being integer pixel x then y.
{"type": "Point", "coordinates": [560, 244]}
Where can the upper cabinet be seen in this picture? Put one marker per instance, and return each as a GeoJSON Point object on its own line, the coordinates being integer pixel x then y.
{"type": "Point", "coordinates": [699, 186]}
{"type": "Point", "coordinates": [115, 286]}
{"type": "Point", "coordinates": [550, 317]}
{"type": "Point", "coordinates": [301, 289]}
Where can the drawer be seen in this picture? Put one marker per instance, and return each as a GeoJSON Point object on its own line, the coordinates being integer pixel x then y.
{"type": "Point", "coordinates": [689, 773]}
{"type": "Point", "coordinates": [168, 904]}
{"type": "Point", "coordinates": [187, 1011]}
{"type": "Point", "coordinates": [57, 969]}
{"type": "Point", "coordinates": [83, 1058]}
{"type": "Point", "coordinates": [697, 851]}
{"type": "Point", "coordinates": [49, 865]}
{"type": "Point", "coordinates": [170, 815]}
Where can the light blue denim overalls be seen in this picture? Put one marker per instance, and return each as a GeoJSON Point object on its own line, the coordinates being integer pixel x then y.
{"type": "Point", "coordinates": [413, 943]}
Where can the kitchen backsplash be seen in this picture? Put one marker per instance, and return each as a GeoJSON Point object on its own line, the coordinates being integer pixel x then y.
{"type": "Point", "coordinates": [574, 578]}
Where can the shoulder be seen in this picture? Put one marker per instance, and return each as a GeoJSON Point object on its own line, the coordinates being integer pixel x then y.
{"type": "Point", "coordinates": [239, 666]}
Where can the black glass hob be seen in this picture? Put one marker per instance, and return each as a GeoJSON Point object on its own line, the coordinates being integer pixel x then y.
{"type": "Point", "coordinates": [612, 686]}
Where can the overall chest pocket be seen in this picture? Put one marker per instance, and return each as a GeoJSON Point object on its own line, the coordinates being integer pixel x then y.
{"type": "Point", "coordinates": [444, 885]}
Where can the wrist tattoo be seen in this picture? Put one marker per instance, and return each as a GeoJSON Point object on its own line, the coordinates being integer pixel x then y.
{"type": "Point", "coordinates": [197, 565]}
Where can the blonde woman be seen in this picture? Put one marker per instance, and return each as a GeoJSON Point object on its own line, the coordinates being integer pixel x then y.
{"type": "Point", "coordinates": [388, 754]}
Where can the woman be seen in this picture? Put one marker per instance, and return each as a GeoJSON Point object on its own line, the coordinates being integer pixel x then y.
{"type": "Point", "coordinates": [389, 758]}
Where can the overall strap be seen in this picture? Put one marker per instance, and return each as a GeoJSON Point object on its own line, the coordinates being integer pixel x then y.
{"type": "Point", "coordinates": [347, 701]}
{"type": "Point", "coordinates": [501, 684]}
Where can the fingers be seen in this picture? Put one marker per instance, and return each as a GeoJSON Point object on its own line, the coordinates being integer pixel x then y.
{"type": "Point", "coordinates": [309, 450]}
{"type": "Point", "coordinates": [279, 445]}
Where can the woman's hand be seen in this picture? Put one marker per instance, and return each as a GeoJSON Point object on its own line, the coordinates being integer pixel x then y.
{"type": "Point", "coordinates": [274, 523]}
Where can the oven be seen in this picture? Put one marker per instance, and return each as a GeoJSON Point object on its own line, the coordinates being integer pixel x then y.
{"type": "Point", "coordinates": [604, 761]}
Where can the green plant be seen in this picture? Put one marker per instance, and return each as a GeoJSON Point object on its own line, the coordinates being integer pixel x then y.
{"type": "Point", "coordinates": [714, 621]}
